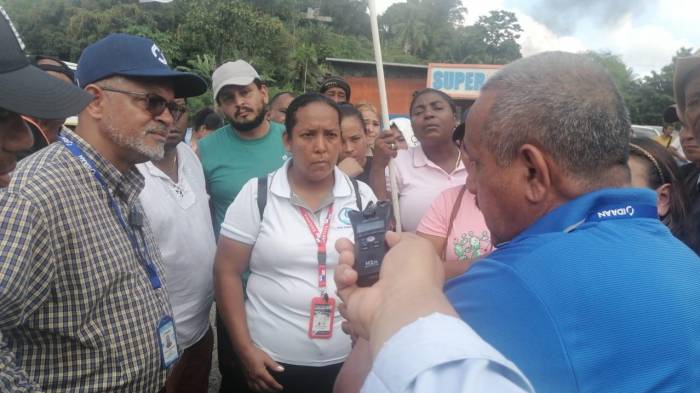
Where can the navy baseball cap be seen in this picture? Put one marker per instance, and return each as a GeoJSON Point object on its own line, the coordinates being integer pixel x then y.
{"type": "Point", "coordinates": [128, 55]}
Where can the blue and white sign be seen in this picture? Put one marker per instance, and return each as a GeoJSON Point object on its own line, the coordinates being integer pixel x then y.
{"type": "Point", "coordinates": [460, 80]}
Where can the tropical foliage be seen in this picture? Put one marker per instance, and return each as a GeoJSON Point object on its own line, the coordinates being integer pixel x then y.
{"type": "Point", "coordinates": [288, 43]}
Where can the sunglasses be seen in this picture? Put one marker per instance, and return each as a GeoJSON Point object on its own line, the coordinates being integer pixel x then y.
{"type": "Point", "coordinates": [155, 104]}
{"type": "Point", "coordinates": [458, 135]}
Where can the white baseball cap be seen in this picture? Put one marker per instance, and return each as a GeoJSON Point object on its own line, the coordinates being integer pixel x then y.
{"type": "Point", "coordinates": [238, 73]}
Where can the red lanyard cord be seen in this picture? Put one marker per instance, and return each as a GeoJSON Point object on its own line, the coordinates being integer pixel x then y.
{"type": "Point", "coordinates": [321, 239]}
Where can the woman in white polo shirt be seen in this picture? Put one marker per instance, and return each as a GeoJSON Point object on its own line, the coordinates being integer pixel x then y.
{"type": "Point", "coordinates": [287, 331]}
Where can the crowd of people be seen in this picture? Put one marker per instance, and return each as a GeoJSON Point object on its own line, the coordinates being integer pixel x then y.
{"type": "Point", "coordinates": [570, 249]}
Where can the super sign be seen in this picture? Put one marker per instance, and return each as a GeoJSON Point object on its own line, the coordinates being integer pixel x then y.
{"type": "Point", "coordinates": [460, 80]}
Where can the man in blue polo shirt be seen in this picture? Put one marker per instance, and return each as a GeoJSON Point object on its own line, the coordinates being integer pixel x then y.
{"type": "Point", "coordinates": [588, 291]}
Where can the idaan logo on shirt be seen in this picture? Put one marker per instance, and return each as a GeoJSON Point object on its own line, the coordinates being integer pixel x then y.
{"type": "Point", "coordinates": [623, 211]}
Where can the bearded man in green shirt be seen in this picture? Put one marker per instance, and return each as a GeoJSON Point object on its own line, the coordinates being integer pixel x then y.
{"type": "Point", "coordinates": [248, 146]}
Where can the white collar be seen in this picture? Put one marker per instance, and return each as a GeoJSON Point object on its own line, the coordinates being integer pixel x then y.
{"type": "Point", "coordinates": [157, 172]}
{"type": "Point", "coordinates": [279, 184]}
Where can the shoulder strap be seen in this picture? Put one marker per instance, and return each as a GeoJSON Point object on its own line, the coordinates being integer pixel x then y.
{"type": "Point", "coordinates": [451, 224]}
{"type": "Point", "coordinates": [262, 195]}
{"type": "Point", "coordinates": [358, 197]}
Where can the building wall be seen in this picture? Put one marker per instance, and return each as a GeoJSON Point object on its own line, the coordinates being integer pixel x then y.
{"type": "Point", "coordinates": [399, 91]}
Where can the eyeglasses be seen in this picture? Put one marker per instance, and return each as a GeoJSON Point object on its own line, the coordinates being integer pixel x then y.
{"type": "Point", "coordinates": [458, 135]}
{"type": "Point", "coordinates": [155, 104]}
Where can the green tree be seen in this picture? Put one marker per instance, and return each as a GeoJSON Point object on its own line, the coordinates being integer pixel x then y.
{"type": "Point", "coordinates": [500, 31]}
{"type": "Point", "coordinates": [618, 70]}
{"type": "Point", "coordinates": [444, 12]}
{"type": "Point", "coordinates": [423, 28]}
{"type": "Point", "coordinates": [38, 24]}
{"type": "Point", "coordinates": [306, 67]}
{"type": "Point", "coordinates": [230, 29]}
{"type": "Point", "coordinates": [412, 31]}
{"type": "Point", "coordinates": [349, 16]}
{"type": "Point", "coordinates": [649, 96]}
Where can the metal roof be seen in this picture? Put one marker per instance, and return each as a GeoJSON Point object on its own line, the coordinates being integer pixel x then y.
{"type": "Point", "coordinates": [366, 62]}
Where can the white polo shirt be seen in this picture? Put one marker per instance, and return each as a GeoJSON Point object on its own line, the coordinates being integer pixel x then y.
{"type": "Point", "coordinates": [284, 268]}
{"type": "Point", "coordinates": [181, 222]}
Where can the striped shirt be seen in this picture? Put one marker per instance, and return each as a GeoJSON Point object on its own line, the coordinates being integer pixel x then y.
{"type": "Point", "coordinates": [77, 310]}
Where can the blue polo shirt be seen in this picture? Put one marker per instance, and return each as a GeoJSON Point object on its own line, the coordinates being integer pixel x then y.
{"type": "Point", "coordinates": [596, 296]}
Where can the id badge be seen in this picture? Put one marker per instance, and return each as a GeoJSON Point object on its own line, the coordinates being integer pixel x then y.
{"type": "Point", "coordinates": [167, 341]}
{"type": "Point", "coordinates": [321, 322]}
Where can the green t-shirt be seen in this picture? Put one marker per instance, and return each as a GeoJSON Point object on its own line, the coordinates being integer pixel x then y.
{"type": "Point", "coordinates": [229, 162]}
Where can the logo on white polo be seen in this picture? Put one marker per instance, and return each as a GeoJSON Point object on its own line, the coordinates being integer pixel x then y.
{"type": "Point", "coordinates": [343, 215]}
{"type": "Point", "coordinates": [623, 211]}
{"type": "Point", "coordinates": [158, 54]}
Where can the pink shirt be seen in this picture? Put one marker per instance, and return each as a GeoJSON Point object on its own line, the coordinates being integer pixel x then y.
{"type": "Point", "coordinates": [420, 181]}
{"type": "Point", "coordinates": [469, 238]}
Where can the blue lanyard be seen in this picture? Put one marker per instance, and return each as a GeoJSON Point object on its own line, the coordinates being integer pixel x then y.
{"type": "Point", "coordinates": [90, 165]}
{"type": "Point", "coordinates": [622, 211]}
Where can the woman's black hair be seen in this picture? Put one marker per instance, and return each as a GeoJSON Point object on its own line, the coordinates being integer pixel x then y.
{"type": "Point", "coordinates": [458, 134]}
{"type": "Point", "coordinates": [348, 110]}
{"type": "Point", "coordinates": [278, 95]}
{"type": "Point", "coordinates": [662, 170]}
{"type": "Point", "coordinates": [213, 121]}
{"type": "Point", "coordinates": [61, 68]}
{"type": "Point", "coordinates": [302, 101]}
{"type": "Point", "coordinates": [427, 90]}
{"type": "Point", "coordinates": [198, 118]}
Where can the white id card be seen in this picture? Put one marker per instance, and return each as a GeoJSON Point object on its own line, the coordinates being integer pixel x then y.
{"type": "Point", "coordinates": [168, 342]}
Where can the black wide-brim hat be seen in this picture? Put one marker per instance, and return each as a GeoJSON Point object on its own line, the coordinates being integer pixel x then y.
{"type": "Point", "coordinates": [31, 91]}
{"type": "Point", "coordinates": [27, 90]}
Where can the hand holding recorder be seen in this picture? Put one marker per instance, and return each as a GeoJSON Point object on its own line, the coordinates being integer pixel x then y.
{"type": "Point", "coordinates": [409, 286]}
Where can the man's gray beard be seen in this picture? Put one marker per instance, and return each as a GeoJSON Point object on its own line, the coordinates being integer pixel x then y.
{"type": "Point", "coordinates": [251, 125]}
{"type": "Point", "coordinates": [137, 143]}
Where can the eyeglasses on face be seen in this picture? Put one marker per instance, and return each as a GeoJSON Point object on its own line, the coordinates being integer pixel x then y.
{"type": "Point", "coordinates": [155, 104]}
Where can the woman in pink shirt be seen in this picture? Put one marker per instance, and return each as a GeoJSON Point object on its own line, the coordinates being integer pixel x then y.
{"type": "Point", "coordinates": [424, 171]}
{"type": "Point", "coordinates": [455, 225]}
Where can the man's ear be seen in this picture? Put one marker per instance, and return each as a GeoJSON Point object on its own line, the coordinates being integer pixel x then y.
{"type": "Point", "coordinates": [537, 172]}
{"type": "Point", "coordinates": [287, 140]}
{"type": "Point", "coordinates": [263, 90]}
{"type": "Point", "coordinates": [96, 107]}
{"type": "Point", "coordinates": [663, 199]}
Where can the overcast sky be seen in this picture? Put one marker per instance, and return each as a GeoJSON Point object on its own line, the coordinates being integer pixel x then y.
{"type": "Point", "coordinates": [646, 33]}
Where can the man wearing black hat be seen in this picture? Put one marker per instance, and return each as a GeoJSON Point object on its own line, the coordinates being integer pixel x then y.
{"type": "Point", "coordinates": [335, 88]}
{"type": "Point", "coordinates": [84, 305]}
{"type": "Point", "coordinates": [45, 131]}
{"type": "Point", "coordinates": [27, 90]}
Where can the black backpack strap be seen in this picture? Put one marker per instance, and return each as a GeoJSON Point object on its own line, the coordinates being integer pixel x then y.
{"type": "Point", "coordinates": [262, 195]}
{"type": "Point", "coordinates": [358, 197]}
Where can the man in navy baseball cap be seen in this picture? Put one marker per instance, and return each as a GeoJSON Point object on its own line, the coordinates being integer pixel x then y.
{"type": "Point", "coordinates": [131, 56]}
{"type": "Point", "coordinates": [81, 259]}
{"type": "Point", "coordinates": [131, 80]}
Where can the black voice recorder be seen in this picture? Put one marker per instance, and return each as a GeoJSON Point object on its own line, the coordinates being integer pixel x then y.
{"type": "Point", "coordinates": [370, 227]}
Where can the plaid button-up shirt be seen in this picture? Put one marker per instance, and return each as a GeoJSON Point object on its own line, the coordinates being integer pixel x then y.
{"type": "Point", "coordinates": [77, 310]}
